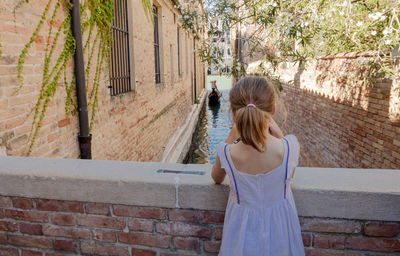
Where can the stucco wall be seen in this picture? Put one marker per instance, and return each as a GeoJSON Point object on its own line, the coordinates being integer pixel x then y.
{"type": "Point", "coordinates": [132, 126]}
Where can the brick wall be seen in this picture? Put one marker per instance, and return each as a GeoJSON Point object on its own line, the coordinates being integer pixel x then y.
{"type": "Point", "coordinates": [133, 126]}
{"type": "Point", "coordinates": [49, 227]}
{"type": "Point", "coordinates": [340, 120]}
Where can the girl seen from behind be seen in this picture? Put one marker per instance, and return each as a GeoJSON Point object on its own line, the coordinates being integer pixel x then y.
{"type": "Point", "coordinates": [261, 217]}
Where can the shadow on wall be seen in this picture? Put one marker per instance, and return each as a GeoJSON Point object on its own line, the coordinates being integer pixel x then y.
{"type": "Point", "coordinates": [340, 120]}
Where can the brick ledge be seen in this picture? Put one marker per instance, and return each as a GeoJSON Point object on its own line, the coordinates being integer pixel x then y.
{"type": "Point", "coordinates": [319, 192]}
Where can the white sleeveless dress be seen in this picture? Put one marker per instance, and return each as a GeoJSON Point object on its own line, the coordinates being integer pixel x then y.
{"type": "Point", "coordinates": [261, 217]}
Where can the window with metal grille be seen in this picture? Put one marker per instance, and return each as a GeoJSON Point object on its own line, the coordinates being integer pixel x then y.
{"type": "Point", "coordinates": [156, 46]}
{"type": "Point", "coordinates": [120, 78]}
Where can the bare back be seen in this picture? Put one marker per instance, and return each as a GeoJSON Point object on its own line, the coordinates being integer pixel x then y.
{"type": "Point", "coordinates": [248, 160]}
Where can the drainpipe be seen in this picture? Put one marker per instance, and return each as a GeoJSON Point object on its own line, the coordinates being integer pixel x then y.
{"type": "Point", "coordinates": [84, 137]}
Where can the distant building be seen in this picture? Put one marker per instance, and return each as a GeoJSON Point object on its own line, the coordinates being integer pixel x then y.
{"type": "Point", "coordinates": [222, 46]}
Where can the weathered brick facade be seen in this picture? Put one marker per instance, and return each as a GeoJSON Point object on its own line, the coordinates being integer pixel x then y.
{"type": "Point", "coordinates": [49, 227]}
{"type": "Point", "coordinates": [340, 120]}
{"type": "Point", "coordinates": [132, 126]}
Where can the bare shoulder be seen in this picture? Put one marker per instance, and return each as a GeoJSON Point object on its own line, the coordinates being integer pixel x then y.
{"type": "Point", "coordinates": [293, 141]}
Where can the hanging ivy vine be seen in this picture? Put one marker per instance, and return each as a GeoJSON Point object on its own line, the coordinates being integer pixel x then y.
{"type": "Point", "coordinates": [96, 19]}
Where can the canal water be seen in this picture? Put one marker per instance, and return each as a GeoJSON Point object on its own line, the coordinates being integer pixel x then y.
{"type": "Point", "coordinates": [213, 126]}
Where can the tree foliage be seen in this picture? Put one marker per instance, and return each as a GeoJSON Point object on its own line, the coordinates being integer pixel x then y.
{"type": "Point", "coordinates": [299, 30]}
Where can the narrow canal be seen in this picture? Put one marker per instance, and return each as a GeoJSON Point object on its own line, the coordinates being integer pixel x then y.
{"type": "Point", "coordinates": [213, 127]}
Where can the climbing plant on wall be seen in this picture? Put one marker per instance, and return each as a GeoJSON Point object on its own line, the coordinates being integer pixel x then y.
{"type": "Point", "coordinates": [97, 17]}
{"type": "Point", "coordinates": [96, 21]}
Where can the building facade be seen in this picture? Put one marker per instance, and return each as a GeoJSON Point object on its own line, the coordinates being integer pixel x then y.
{"type": "Point", "coordinates": [221, 47]}
{"type": "Point", "coordinates": [152, 83]}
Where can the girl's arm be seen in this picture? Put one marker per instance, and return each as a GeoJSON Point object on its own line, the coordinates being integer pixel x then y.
{"type": "Point", "coordinates": [218, 173]}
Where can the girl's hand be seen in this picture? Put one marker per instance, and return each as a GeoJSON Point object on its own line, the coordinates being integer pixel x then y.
{"type": "Point", "coordinates": [274, 129]}
{"type": "Point", "coordinates": [233, 135]}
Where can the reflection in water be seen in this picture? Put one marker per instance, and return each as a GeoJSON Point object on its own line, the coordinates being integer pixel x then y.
{"type": "Point", "coordinates": [214, 111]}
{"type": "Point", "coordinates": [213, 127]}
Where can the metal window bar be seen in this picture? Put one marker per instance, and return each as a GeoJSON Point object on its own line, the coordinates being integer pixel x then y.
{"type": "Point", "coordinates": [156, 47]}
{"type": "Point", "coordinates": [120, 77]}
{"type": "Point", "coordinates": [178, 38]}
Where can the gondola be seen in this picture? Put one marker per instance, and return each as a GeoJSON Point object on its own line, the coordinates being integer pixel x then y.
{"type": "Point", "coordinates": [213, 97]}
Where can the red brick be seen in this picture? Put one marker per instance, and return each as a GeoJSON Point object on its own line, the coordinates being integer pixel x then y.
{"type": "Point", "coordinates": [63, 219]}
{"type": "Point", "coordinates": [64, 122]}
{"type": "Point", "coordinates": [306, 239]}
{"type": "Point", "coordinates": [101, 222]}
{"type": "Point", "coordinates": [5, 201]}
{"type": "Point", "coordinates": [139, 212]}
{"type": "Point", "coordinates": [105, 236]}
{"type": "Point", "coordinates": [373, 244]}
{"type": "Point", "coordinates": [31, 229]}
{"type": "Point", "coordinates": [186, 243]}
{"type": "Point", "coordinates": [181, 215]}
{"type": "Point", "coordinates": [54, 23]}
{"type": "Point", "coordinates": [6, 251]}
{"type": "Point", "coordinates": [64, 245]}
{"type": "Point", "coordinates": [325, 252]}
{"type": "Point", "coordinates": [102, 249]}
{"type": "Point", "coordinates": [55, 254]}
{"type": "Point", "coordinates": [212, 246]}
{"type": "Point", "coordinates": [69, 232]}
{"type": "Point", "coordinates": [381, 229]}
{"type": "Point", "coordinates": [144, 225]}
{"type": "Point", "coordinates": [59, 206]}
{"type": "Point", "coordinates": [218, 233]}
{"type": "Point", "coordinates": [330, 226]}
{"type": "Point", "coordinates": [144, 239]}
{"type": "Point", "coordinates": [98, 208]}
{"type": "Point", "coordinates": [211, 217]}
{"type": "Point", "coordinates": [182, 229]}
{"type": "Point", "coordinates": [32, 216]}
{"type": "Point", "coordinates": [31, 253]}
{"type": "Point", "coordinates": [178, 254]}
{"type": "Point", "coordinates": [3, 238]}
{"type": "Point", "coordinates": [29, 241]}
{"type": "Point", "coordinates": [15, 122]}
{"type": "Point", "coordinates": [23, 203]}
{"type": "Point", "coordinates": [9, 226]}
{"type": "Point", "coordinates": [52, 137]}
{"type": "Point", "coordinates": [328, 241]}
{"type": "Point", "coordinates": [143, 252]}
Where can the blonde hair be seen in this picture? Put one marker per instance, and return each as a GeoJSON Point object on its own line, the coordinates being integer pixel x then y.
{"type": "Point", "coordinates": [252, 121]}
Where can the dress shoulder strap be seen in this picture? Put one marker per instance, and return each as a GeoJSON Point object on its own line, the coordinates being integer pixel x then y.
{"type": "Point", "coordinates": [287, 154]}
{"type": "Point", "coordinates": [292, 157]}
{"type": "Point", "coordinates": [223, 153]}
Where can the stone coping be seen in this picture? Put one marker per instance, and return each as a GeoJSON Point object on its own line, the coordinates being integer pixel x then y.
{"type": "Point", "coordinates": [319, 192]}
{"type": "Point", "coordinates": [179, 144]}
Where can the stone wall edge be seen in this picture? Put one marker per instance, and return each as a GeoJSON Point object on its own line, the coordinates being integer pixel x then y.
{"type": "Point", "coordinates": [139, 184]}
